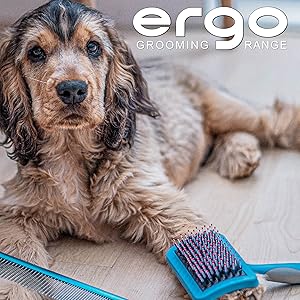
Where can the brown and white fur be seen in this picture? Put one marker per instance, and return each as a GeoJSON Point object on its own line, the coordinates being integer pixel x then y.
{"type": "Point", "coordinates": [117, 160]}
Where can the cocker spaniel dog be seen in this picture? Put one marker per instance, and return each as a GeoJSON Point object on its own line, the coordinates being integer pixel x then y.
{"type": "Point", "coordinates": [102, 143]}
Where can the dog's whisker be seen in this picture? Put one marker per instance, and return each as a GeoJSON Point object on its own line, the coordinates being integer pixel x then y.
{"type": "Point", "coordinates": [34, 79]}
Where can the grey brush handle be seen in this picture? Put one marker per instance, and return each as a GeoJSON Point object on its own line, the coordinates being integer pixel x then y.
{"type": "Point", "coordinates": [290, 276]}
{"type": "Point", "coordinates": [284, 273]}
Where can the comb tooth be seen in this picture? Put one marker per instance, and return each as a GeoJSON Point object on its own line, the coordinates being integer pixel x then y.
{"type": "Point", "coordinates": [23, 275]}
{"type": "Point", "coordinates": [20, 277]}
{"type": "Point", "coordinates": [62, 292]}
{"type": "Point", "coordinates": [83, 295]}
{"type": "Point", "coordinates": [57, 290]}
{"type": "Point", "coordinates": [48, 285]}
{"type": "Point", "coordinates": [18, 273]}
{"type": "Point", "coordinates": [6, 269]}
{"type": "Point", "coordinates": [37, 281]}
{"type": "Point", "coordinates": [3, 268]}
{"type": "Point", "coordinates": [43, 284]}
{"type": "Point", "coordinates": [9, 274]}
{"type": "Point", "coordinates": [28, 278]}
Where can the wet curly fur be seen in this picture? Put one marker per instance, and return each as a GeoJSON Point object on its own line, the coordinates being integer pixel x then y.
{"type": "Point", "coordinates": [118, 160]}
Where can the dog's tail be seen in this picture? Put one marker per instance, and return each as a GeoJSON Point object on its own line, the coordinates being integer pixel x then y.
{"type": "Point", "coordinates": [91, 3]}
{"type": "Point", "coordinates": [278, 125]}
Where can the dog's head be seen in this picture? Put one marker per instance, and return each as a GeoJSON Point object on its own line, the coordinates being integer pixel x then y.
{"type": "Point", "coordinates": [63, 67]}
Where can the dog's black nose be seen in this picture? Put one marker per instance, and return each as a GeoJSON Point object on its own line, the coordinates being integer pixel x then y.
{"type": "Point", "coordinates": [72, 91]}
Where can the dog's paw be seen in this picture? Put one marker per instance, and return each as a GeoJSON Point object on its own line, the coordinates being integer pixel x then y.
{"type": "Point", "coordinates": [281, 125]}
{"type": "Point", "coordinates": [236, 155]}
{"type": "Point", "coordinates": [247, 294]}
{"type": "Point", "coordinates": [10, 291]}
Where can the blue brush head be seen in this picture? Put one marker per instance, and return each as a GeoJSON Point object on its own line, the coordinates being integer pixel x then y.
{"type": "Point", "coordinates": [208, 266]}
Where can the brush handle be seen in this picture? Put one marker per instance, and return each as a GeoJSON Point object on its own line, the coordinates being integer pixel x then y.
{"type": "Point", "coordinates": [284, 273]}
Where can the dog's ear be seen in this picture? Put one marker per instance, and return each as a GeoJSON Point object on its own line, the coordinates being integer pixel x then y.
{"type": "Point", "coordinates": [16, 120]}
{"type": "Point", "coordinates": [126, 94]}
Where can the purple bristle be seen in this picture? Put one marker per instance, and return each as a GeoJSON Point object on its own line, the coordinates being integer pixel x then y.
{"type": "Point", "coordinates": [207, 257]}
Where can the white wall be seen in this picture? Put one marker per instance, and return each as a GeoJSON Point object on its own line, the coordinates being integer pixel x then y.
{"type": "Point", "coordinates": [122, 10]}
{"type": "Point", "coordinates": [13, 9]}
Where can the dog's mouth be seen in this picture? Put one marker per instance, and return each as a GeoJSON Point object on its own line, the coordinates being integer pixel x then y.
{"type": "Point", "coordinates": [72, 117]}
{"type": "Point", "coordinates": [75, 117]}
{"type": "Point", "coordinates": [73, 120]}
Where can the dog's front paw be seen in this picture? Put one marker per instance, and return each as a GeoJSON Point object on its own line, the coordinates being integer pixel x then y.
{"type": "Point", "coordinates": [10, 291]}
{"type": "Point", "coordinates": [237, 155]}
{"type": "Point", "coordinates": [183, 229]}
{"type": "Point", "coordinates": [247, 294]}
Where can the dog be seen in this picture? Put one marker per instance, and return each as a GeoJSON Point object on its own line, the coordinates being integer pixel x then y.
{"type": "Point", "coordinates": [104, 144]}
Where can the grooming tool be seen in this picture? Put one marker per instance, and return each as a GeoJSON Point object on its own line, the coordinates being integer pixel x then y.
{"type": "Point", "coordinates": [48, 283]}
{"type": "Point", "coordinates": [283, 273]}
{"type": "Point", "coordinates": [209, 267]}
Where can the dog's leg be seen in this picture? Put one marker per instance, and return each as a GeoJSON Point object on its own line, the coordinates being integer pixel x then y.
{"type": "Point", "coordinates": [275, 126]}
{"type": "Point", "coordinates": [25, 239]}
{"type": "Point", "coordinates": [152, 213]}
{"type": "Point", "coordinates": [235, 155]}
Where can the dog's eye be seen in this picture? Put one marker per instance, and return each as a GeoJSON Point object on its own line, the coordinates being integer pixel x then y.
{"type": "Point", "coordinates": [93, 49]}
{"type": "Point", "coordinates": [36, 54]}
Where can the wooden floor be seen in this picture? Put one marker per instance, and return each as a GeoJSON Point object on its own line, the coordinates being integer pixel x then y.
{"type": "Point", "coordinates": [260, 215]}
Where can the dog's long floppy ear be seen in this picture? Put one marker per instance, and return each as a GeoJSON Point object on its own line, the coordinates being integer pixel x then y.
{"type": "Point", "coordinates": [16, 120]}
{"type": "Point", "coordinates": [126, 95]}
